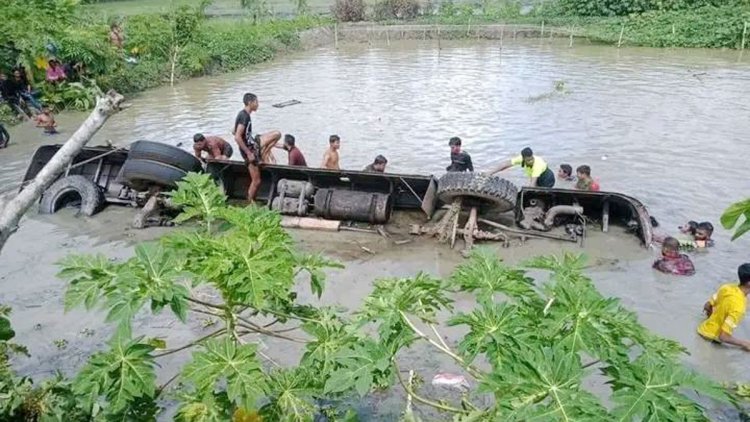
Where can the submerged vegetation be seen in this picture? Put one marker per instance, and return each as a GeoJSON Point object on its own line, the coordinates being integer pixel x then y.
{"type": "Point", "coordinates": [527, 346]}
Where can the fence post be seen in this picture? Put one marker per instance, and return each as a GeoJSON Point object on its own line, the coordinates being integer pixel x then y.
{"type": "Point", "coordinates": [571, 37]}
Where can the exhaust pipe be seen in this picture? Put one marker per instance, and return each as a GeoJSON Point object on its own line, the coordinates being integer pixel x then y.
{"type": "Point", "coordinates": [561, 210]}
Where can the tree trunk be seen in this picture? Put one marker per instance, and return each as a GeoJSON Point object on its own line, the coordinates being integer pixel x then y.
{"type": "Point", "coordinates": [12, 210]}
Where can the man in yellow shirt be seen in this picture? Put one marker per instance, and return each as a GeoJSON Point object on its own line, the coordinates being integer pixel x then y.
{"type": "Point", "coordinates": [725, 310]}
{"type": "Point", "coordinates": [535, 167]}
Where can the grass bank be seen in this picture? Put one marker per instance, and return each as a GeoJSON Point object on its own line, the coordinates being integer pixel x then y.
{"type": "Point", "coordinates": [164, 47]}
{"type": "Point", "coordinates": [706, 27]}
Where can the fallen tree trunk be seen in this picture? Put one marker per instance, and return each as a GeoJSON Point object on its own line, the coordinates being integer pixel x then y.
{"type": "Point", "coordinates": [12, 210]}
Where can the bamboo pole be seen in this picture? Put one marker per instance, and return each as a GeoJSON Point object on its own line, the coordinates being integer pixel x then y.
{"type": "Point", "coordinates": [336, 35]}
{"type": "Point", "coordinates": [622, 31]}
{"type": "Point", "coordinates": [438, 35]}
{"type": "Point", "coordinates": [387, 38]}
{"type": "Point", "coordinates": [744, 37]}
{"type": "Point", "coordinates": [502, 35]}
{"type": "Point", "coordinates": [541, 35]}
{"type": "Point", "coordinates": [468, 28]}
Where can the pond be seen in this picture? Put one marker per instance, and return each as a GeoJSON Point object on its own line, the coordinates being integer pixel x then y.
{"type": "Point", "coordinates": [669, 127]}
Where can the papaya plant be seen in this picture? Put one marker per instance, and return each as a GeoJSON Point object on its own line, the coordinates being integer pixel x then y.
{"type": "Point", "coordinates": [739, 212]}
{"type": "Point", "coordinates": [527, 345]}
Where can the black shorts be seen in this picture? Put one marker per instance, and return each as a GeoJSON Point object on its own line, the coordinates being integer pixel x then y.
{"type": "Point", "coordinates": [254, 147]}
{"type": "Point", "coordinates": [546, 179]}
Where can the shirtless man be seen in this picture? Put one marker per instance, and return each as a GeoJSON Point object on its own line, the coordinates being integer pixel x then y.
{"type": "Point", "coordinates": [253, 147]}
{"type": "Point", "coordinates": [46, 120]}
{"type": "Point", "coordinates": [216, 147]}
{"type": "Point", "coordinates": [331, 157]}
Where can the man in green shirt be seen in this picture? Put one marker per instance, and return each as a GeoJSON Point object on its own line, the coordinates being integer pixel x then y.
{"type": "Point", "coordinates": [535, 167]}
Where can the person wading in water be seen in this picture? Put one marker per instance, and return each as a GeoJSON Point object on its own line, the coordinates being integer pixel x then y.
{"type": "Point", "coordinates": [535, 167]}
{"type": "Point", "coordinates": [253, 147]}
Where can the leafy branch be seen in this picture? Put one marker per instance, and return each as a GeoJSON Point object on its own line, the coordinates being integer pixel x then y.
{"type": "Point", "coordinates": [732, 216]}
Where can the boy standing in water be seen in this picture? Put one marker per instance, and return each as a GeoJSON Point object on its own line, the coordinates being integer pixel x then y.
{"type": "Point", "coordinates": [672, 261]}
{"type": "Point", "coordinates": [726, 309]}
{"type": "Point", "coordinates": [460, 160]}
{"type": "Point", "coordinates": [331, 157]}
{"type": "Point", "coordinates": [46, 120]}
{"type": "Point", "coordinates": [585, 182]}
{"type": "Point", "coordinates": [565, 173]}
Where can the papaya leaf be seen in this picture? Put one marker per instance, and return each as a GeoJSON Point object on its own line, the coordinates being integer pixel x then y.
{"type": "Point", "coordinates": [291, 392]}
{"type": "Point", "coordinates": [212, 407]}
{"type": "Point", "coordinates": [199, 197]}
{"type": "Point", "coordinates": [652, 389]}
{"type": "Point", "coordinates": [223, 362]}
{"type": "Point", "coordinates": [314, 265]}
{"type": "Point", "coordinates": [122, 375]}
{"type": "Point", "coordinates": [422, 296]}
{"type": "Point", "coordinates": [733, 213]}
{"type": "Point", "coordinates": [360, 367]}
{"type": "Point", "coordinates": [90, 277]}
{"type": "Point", "coordinates": [486, 275]}
{"type": "Point", "coordinates": [743, 228]}
{"type": "Point", "coordinates": [329, 337]}
{"type": "Point", "coordinates": [544, 383]}
{"type": "Point", "coordinates": [494, 329]}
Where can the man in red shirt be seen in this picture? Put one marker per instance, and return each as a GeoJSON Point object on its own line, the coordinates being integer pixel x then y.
{"type": "Point", "coordinates": [295, 155]}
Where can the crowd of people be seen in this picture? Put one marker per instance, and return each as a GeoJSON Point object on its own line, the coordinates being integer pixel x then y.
{"type": "Point", "coordinates": [17, 92]}
{"type": "Point", "coordinates": [258, 148]}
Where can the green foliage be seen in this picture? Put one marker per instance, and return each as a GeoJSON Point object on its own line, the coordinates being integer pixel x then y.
{"type": "Point", "coordinates": [198, 200]}
{"type": "Point", "coordinates": [396, 9]}
{"type": "Point", "coordinates": [349, 10]}
{"type": "Point", "coordinates": [732, 216]}
{"type": "Point", "coordinates": [33, 31]}
{"type": "Point", "coordinates": [224, 363]}
{"type": "Point", "coordinates": [360, 366]}
{"type": "Point", "coordinates": [123, 376]}
{"type": "Point", "coordinates": [537, 342]}
{"type": "Point", "coordinates": [624, 8]}
{"type": "Point", "coordinates": [74, 95]}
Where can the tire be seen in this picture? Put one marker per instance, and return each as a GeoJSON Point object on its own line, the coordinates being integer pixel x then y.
{"type": "Point", "coordinates": [488, 192]}
{"type": "Point", "coordinates": [167, 154]}
{"type": "Point", "coordinates": [72, 191]}
{"type": "Point", "coordinates": [141, 174]}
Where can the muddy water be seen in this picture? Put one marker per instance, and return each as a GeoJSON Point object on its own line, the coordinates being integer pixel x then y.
{"type": "Point", "coordinates": [669, 127]}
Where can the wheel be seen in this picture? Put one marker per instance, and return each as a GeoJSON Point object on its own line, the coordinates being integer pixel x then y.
{"type": "Point", "coordinates": [76, 191]}
{"type": "Point", "coordinates": [163, 153]}
{"type": "Point", "coordinates": [141, 174]}
{"type": "Point", "coordinates": [488, 192]}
